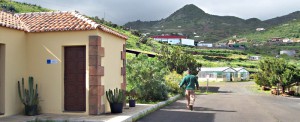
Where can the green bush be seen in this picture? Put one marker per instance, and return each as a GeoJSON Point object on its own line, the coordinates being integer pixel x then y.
{"type": "Point", "coordinates": [146, 76]}
{"type": "Point", "coordinates": [172, 81]}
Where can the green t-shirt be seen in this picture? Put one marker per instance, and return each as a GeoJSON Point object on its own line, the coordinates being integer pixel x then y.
{"type": "Point", "coordinates": [190, 81]}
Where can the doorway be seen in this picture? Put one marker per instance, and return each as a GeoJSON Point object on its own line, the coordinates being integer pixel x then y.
{"type": "Point", "coordinates": [74, 78]}
{"type": "Point", "coordinates": [2, 79]}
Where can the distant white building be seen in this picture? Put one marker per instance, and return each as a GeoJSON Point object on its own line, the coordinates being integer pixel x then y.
{"type": "Point", "coordinates": [260, 29]}
{"type": "Point", "coordinates": [169, 39]}
{"type": "Point", "coordinates": [205, 45]}
{"type": "Point", "coordinates": [254, 58]}
{"type": "Point", "coordinates": [189, 42]}
{"type": "Point", "coordinates": [288, 52]}
{"type": "Point", "coordinates": [287, 40]}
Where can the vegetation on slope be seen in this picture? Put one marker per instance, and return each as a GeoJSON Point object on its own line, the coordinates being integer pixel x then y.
{"type": "Point", "coordinates": [20, 7]}
{"type": "Point", "coordinates": [288, 30]}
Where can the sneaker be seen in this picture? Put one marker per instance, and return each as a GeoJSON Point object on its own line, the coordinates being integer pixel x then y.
{"type": "Point", "coordinates": [191, 107]}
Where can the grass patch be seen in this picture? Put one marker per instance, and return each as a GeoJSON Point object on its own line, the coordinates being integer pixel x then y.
{"type": "Point", "coordinates": [256, 89]}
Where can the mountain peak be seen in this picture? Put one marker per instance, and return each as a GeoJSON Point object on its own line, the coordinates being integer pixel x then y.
{"type": "Point", "coordinates": [188, 11]}
{"type": "Point", "coordinates": [191, 8]}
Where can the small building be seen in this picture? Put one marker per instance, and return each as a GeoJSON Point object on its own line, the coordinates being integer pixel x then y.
{"type": "Point", "coordinates": [260, 29]}
{"type": "Point", "coordinates": [219, 74]}
{"type": "Point", "coordinates": [288, 52]}
{"type": "Point", "coordinates": [216, 74]}
{"type": "Point", "coordinates": [169, 39]}
{"type": "Point", "coordinates": [189, 42]}
{"type": "Point", "coordinates": [242, 74]}
{"type": "Point", "coordinates": [254, 58]}
{"type": "Point", "coordinates": [205, 45]}
{"type": "Point", "coordinates": [287, 40]}
{"type": "Point", "coordinates": [72, 59]}
{"type": "Point", "coordinates": [275, 40]}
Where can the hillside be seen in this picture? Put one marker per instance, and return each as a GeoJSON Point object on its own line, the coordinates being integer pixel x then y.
{"type": "Point", "coordinates": [190, 19]}
{"type": "Point", "coordinates": [19, 7]}
{"type": "Point", "coordinates": [288, 30]}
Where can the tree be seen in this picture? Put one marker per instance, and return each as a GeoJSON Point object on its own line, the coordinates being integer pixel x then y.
{"type": "Point", "coordinates": [177, 60]}
{"type": "Point", "coordinates": [277, 70]}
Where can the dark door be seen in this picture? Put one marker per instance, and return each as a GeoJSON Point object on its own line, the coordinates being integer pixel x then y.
{"type": "Point", "coordinates": [74, 84]}
{"type": "Point", "coordinates": [2, 79]}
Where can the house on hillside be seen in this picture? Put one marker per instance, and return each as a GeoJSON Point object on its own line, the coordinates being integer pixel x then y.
{"type": "Point", "coordinates": [219, 74]}
{"type": "Point", "coordinates": [287, 40]}
{"type": "Point", "coordinates": [205, 45]}
{"type": "Point", "coordinates": [189, 42]}
{"type": "Point", "coordinates": [169, 39]}
{"type": "Point", "coordinates": [260, 29]}
{"type": "Point", "coordinates": [72, 59]}
{"type": "Point", "coordinates": [275, 40]}
{"type": "Point", "coordinates": [254, 58]}
{"type": "Point", "coordinates": [288, 52]}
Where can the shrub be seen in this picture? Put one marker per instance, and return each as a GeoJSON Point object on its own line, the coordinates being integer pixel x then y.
{"type": "Point", "coordinates": [146, 76]}
{"type": "Point", "coordinates": [172, 81]}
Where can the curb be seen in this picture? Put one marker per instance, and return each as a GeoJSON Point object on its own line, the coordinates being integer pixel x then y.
{"type": "Point", "coordinates": [147, 111]}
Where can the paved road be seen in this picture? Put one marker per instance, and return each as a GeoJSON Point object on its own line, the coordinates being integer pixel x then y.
{"type": "Point", "coordinates": [234, 102]}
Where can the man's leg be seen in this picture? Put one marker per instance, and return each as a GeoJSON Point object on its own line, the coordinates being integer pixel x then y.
{"type": "Point", "coordinates": [187, 96]}
{"type": "Point", "coordinates": [192, 99]}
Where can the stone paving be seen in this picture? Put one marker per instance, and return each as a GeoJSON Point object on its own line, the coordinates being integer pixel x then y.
{"type": "Point", "coordinates": [127, 113]}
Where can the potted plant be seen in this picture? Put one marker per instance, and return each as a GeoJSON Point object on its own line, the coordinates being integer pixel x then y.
{"type": "Point", "coordinates": [115, 99]}
{"type": "Point", "coordinates": [132, 97]}
{"type": "Point", "coordinates": [29, 97]}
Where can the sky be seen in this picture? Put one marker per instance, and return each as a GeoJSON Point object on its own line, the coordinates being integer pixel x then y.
{"type": "Point", "coordinates": [123, 11]}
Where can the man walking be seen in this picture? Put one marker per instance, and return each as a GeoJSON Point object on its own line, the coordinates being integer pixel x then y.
{"type": "Point", "coordinates": [190, 81]}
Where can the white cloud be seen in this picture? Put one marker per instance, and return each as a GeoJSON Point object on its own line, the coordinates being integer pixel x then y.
{"type": "Point", "coordinates": [122, 11]}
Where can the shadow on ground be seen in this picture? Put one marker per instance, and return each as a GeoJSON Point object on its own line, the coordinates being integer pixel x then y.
{"type": "Point", "coordinates": [212, 89]}
{"type": "Point", "coordinates": [177, 112]}
{"type": "Point", "coordinates": [182, 106]}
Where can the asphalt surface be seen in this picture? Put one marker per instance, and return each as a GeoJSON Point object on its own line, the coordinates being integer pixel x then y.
{"type": "Point", "coordinates": [233, 102]}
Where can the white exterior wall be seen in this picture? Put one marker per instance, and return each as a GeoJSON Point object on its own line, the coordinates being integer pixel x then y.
{"type": "Point", "coordinates": [189, 42]}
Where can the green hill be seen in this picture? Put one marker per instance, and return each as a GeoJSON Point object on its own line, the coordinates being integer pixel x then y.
{"type": "Point", "coordinates": [288, 30]}
{"type": "Point", "coordinates": [211, 28]}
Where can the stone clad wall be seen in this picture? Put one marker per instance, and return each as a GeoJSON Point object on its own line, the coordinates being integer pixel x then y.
{"type": "Point", "coordinates": [96, 71]}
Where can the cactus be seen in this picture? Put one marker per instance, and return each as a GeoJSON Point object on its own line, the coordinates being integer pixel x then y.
{"type": "Point", "coordinates": [29, 97]}
{"type": "Point", "coordinates": [115, 96]}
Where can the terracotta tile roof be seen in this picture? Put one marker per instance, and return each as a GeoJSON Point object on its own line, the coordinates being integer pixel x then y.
{"type": "Point", "coordinates": [52, 21]}
{"type": "Point", "coordinates": [11, 21]}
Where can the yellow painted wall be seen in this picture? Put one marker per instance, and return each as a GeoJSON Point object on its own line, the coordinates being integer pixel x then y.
{"type": "Point", "coordinates": [50, 77]}
{"type": "Point", "coordinates": [26, 55]}
{"type": "Point", "coordinates": [112, 63]}
{"type": "Point", "coordinates": [15, 67]}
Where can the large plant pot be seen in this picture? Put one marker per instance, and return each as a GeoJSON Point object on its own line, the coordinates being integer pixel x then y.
{"type": "Point", "coordinates": [31, 110]}
{"type": "Point", "coordinates": [131, 103]}
{"type": "Point", "coordinates": [116, 107]}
